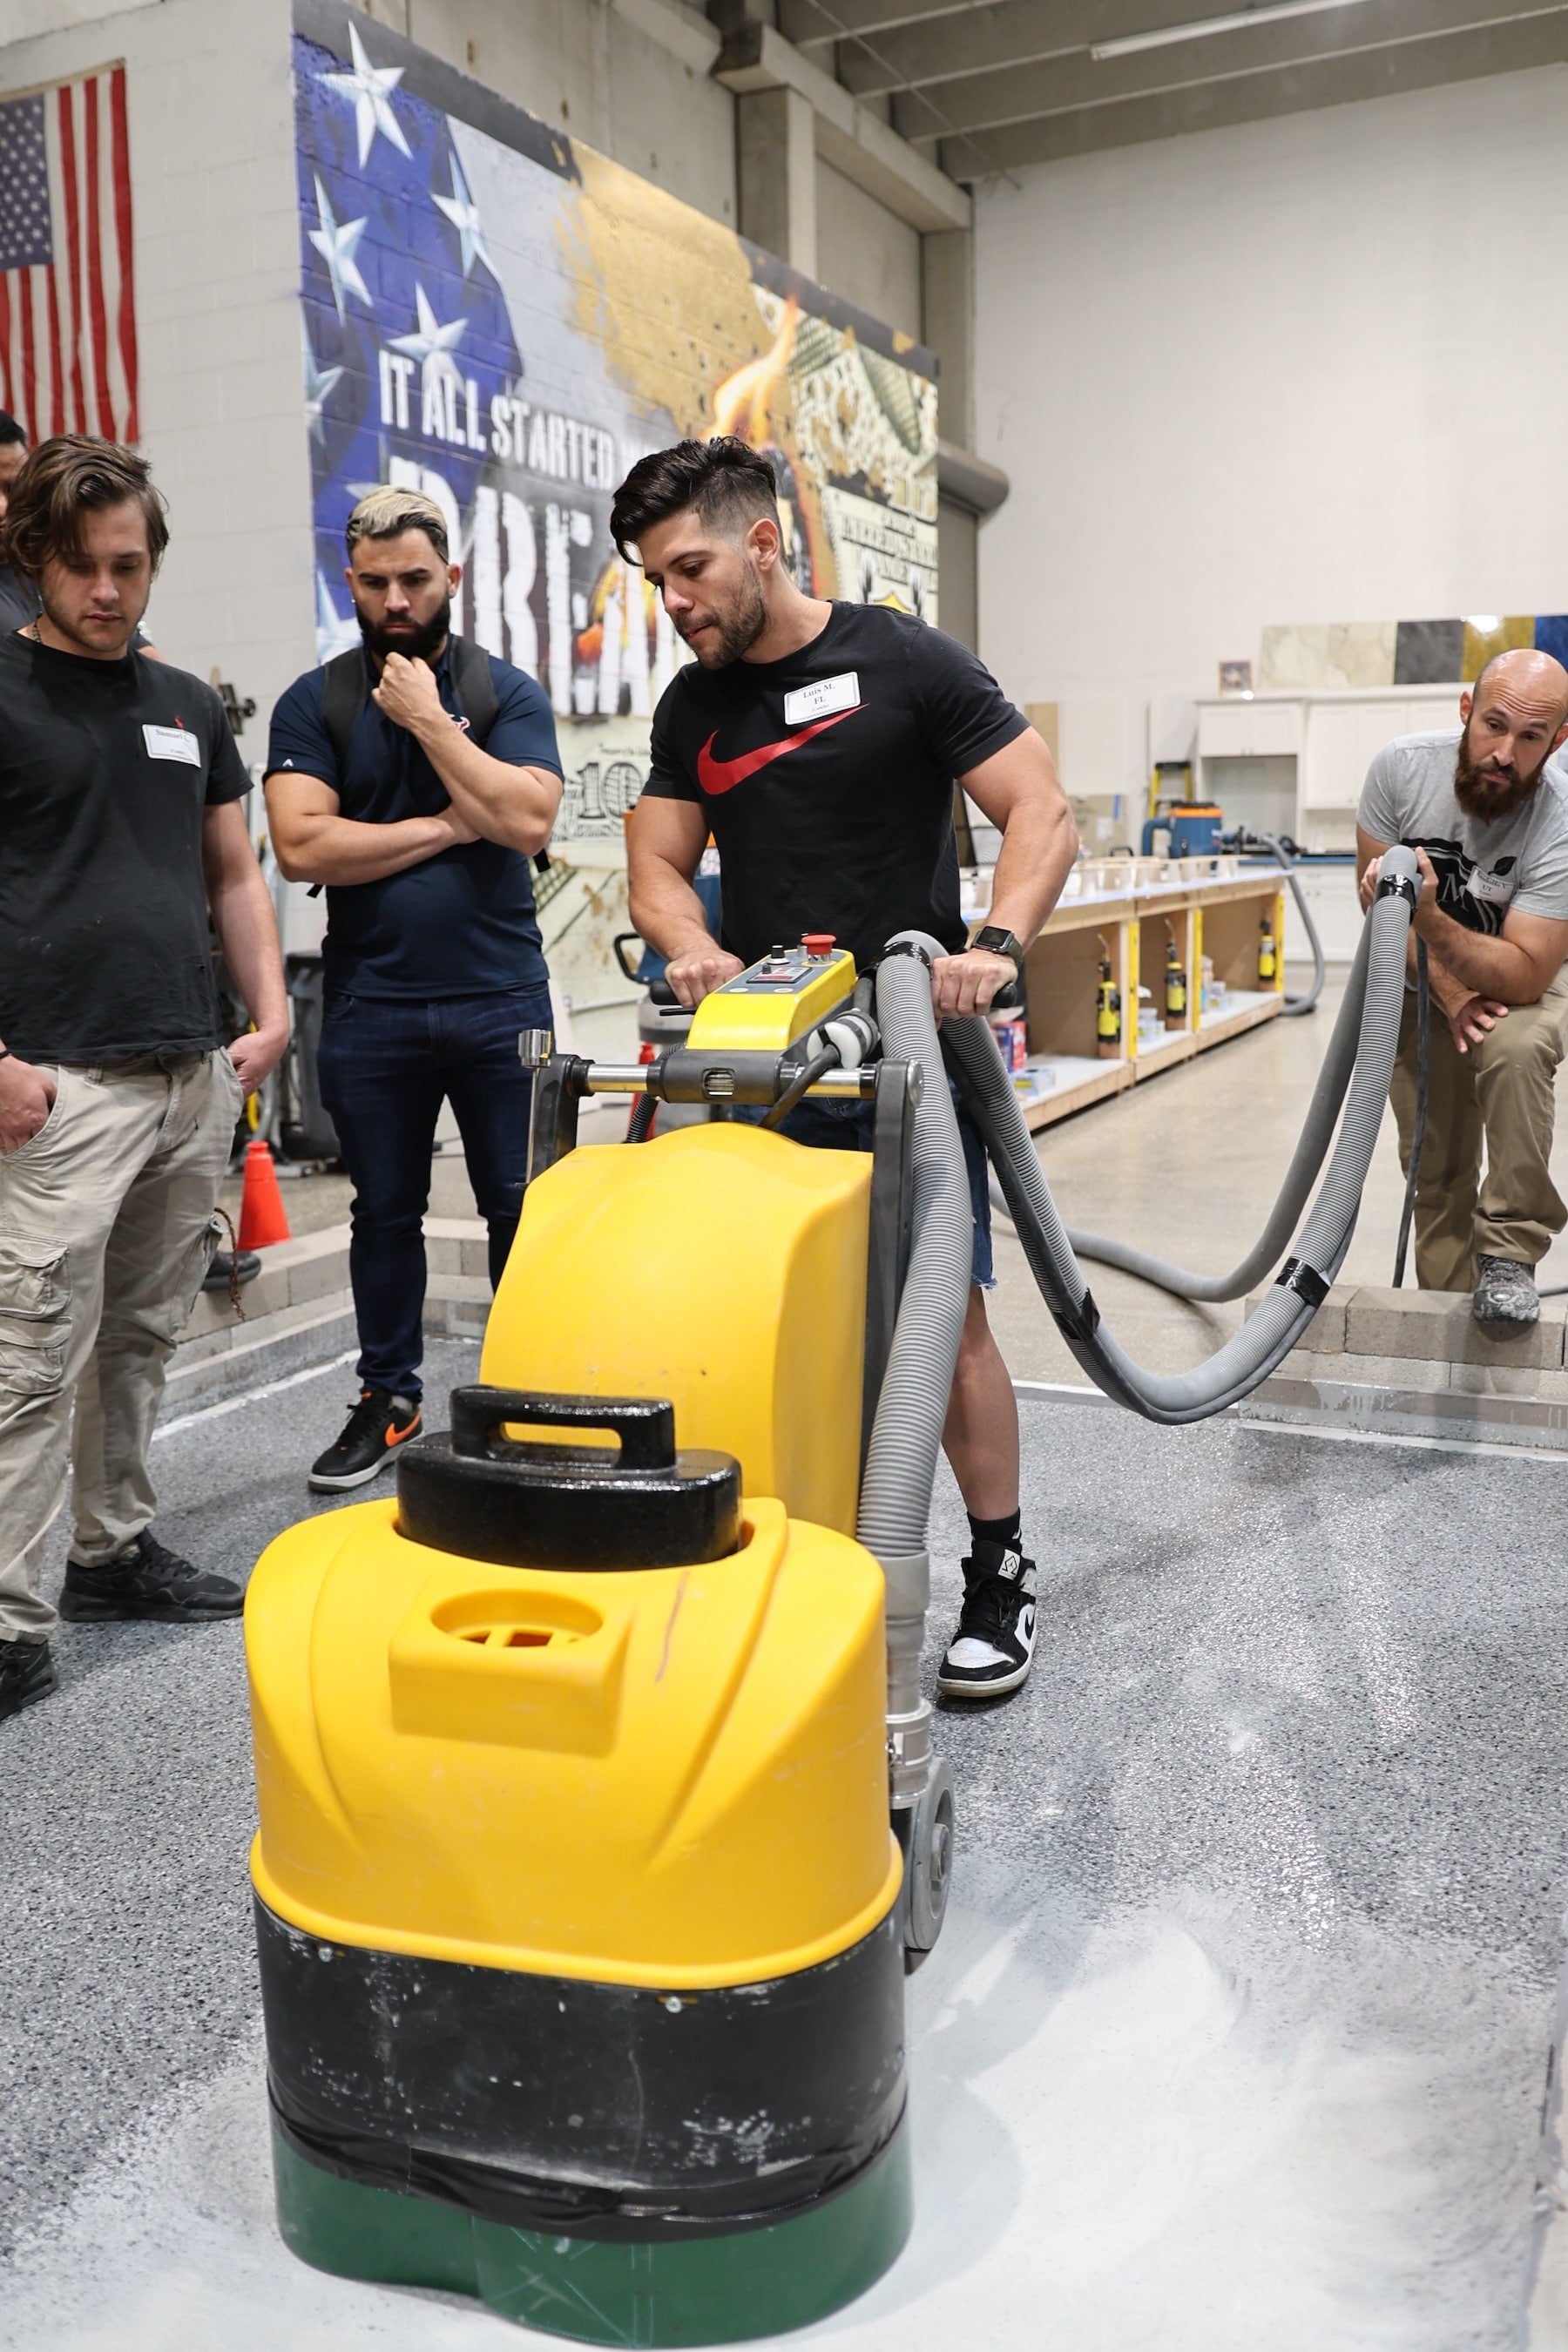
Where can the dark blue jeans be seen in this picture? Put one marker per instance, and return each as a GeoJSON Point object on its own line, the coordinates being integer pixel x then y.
{"type": "Point", "coordinates": [386, 1065]}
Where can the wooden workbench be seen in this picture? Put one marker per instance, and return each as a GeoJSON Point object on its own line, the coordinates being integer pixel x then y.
{"type": "Point", "coordinates": [1211, 911]}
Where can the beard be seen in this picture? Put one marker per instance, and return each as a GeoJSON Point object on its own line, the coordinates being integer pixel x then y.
{"type": "Point", "coordinates": [416, 642]}
{"type": "Point", "coordinates": [1490, 794]}
{"type": "Point", "coordinates": [738, 629]}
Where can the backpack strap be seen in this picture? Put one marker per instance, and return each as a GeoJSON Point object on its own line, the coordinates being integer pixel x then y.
{"type": "Point", "coordinates": [345, 689]}
{"type": "Point", "coordinates": [474, 687]}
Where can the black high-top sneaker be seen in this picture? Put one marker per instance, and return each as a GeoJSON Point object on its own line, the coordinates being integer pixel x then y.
{"type": "Point", "coordinates": [26, 1676]}
{"type": "Point", "coordinates": [993, 1648]}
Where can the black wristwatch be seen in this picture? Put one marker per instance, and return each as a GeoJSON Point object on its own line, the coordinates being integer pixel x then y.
{"type": "Point", "coordinates": [999, 942]}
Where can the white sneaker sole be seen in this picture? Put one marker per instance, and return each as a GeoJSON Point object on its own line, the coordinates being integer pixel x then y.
{"type": "Point", "coordinates": [999, 1688]}
{"type": "Point", "coordinates": [339, 1482]}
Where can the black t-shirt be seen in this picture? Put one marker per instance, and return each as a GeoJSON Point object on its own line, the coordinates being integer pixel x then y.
{"type": "Point", "coordinates": [826, 779]}
{"type": "Point", "coordinates": [106, 769]}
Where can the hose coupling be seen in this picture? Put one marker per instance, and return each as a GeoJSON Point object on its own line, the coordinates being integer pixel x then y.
{"type": "Point", "coordinates": [1398, 885]}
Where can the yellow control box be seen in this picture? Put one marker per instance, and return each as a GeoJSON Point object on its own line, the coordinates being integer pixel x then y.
{"type": "Point", "coordinates": [771, 1003]}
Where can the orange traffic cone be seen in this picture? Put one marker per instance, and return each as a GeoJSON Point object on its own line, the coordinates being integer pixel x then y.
{"type": "Point", "coordinates": [261, 1217]}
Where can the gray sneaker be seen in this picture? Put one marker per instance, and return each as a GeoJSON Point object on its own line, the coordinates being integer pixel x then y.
{"type": "Point", "coordinates": [1505, 1294]}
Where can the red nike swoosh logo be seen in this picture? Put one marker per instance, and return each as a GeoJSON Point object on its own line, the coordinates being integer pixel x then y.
{"type": "Point", "coordinates": [716, 776]}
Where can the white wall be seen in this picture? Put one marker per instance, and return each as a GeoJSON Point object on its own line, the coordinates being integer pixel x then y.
{"type": "Point", "coordinates": [215, 228]}
{"type": "Point", "coordinates": [1307, 370]}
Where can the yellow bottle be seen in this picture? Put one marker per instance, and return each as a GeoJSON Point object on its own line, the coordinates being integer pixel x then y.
{"type": "Point", "coordinates": [1268, 953]}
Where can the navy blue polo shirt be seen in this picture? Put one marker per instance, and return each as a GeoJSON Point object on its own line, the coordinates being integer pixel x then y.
{"type": "Point", "coordinates": [462, 923]}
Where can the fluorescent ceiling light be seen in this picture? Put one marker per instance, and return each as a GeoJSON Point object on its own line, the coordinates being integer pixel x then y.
{"type": "Point", "coordinates": [1168, 35]}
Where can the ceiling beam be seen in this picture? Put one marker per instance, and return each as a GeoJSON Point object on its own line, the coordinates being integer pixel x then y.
{"type": "Point", "coordinates": [1018, 92]}
{"type": "Point", "coordinates": [818, 24]}
{"type": "Point", "coordinates": [848, 135]}
{"type": "Point", "coordinates": [1345, 79]}
{"type": "Point", "coordinates": [1005, 32]}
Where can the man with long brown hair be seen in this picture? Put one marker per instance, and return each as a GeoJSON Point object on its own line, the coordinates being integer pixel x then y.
{"type": "Point", "coordinates": [119, 828]}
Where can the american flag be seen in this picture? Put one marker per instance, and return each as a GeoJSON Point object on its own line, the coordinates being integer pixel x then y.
{"type": "Point", "coordinates": [67, 312]}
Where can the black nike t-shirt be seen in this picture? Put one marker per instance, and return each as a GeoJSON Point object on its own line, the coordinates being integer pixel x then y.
{"type": "Point", "coordinates": [107, 769]}
{"type": "Point", "coordinates": [826, 779]}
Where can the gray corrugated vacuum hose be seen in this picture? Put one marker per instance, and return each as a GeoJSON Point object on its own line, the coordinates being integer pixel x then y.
{"type": "Point", "coordinates": [1268, 1336]}
{"type": "Point", "coordinates": [1312, 1150]}
{"type": "Point", "coordinates": [1297, 1005]}
{"type": "Point", "coordinates": [900, 1462]}
{"type": "Point", "coordinates": [895, 1492]}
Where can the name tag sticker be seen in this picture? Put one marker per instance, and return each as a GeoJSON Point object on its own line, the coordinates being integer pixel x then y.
{"type": "Point", "coordinates": [173, 744]}
{"type": "Point", "coordinates": [828, 694]}
{"type": "Point", "coordinates": [1496, 890]}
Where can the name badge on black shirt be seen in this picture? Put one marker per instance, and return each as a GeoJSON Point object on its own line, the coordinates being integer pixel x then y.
{"type": "Point", "coordinates": [173, 744]}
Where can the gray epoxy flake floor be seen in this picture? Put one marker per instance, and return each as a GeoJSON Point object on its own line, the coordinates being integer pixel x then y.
{"type": "Point", "coordinates": [1238, 2031]}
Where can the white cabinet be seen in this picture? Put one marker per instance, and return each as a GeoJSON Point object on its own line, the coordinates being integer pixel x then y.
{"type": "Point", "coordinates": [1248, 729]}
{"type": "Point", "coordinates": [1333, 736]}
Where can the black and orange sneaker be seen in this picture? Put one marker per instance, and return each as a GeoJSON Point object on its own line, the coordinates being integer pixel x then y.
{"type": "Point", "coordinates": [373, 1432]}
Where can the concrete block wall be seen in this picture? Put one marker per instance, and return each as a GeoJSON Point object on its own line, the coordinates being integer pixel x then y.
{"type": "Point", "coordinates": [1259, 376]}
{"type": "Point", "coordinates": [217, 259]}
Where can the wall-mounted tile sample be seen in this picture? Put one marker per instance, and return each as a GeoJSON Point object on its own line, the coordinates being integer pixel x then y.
{"type": "Point", "coordinates": [1428, 653]}
{"type": "Point", "coordinates": [1487, 635]}
{"type": "Point", "coordinates": [1328, 653]}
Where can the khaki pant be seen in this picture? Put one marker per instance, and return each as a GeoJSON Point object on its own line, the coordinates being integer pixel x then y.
{"type": "Point", "coordinates": [1503, 1089]}
{"type": "Point", "coordinates": [106, 1233]}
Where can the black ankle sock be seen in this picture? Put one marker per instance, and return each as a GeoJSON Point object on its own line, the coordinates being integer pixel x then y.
{"type": "Point", "coordinates": [998, 1532]}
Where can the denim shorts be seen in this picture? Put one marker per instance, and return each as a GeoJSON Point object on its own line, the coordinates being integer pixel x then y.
{"type": "Point", "coordinates": [851, 1127]}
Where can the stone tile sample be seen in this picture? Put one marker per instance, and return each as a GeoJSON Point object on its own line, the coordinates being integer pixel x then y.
{"type": "Point", "coordinates": [1428, 653]}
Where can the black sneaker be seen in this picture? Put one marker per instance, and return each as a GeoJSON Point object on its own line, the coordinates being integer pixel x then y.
{"type": "Point", "coordinates": [227, 1269]}
{"type": "Point", "coordinates": [1505, 1296]}
{"type": "Point", "coordinates": [26, 1676]}
{"type": "Point", "coordinates": [147, 1581]}
{"type": "Point", "coordinates": [993, 1648]}
{"type": "Point", "coordinates": [373, 1432]}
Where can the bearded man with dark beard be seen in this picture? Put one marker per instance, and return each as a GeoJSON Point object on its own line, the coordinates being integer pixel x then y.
{"type": "Point", "coordinates": [415, 779]}
{"type": "Point", "coordinates": [1485, 808]}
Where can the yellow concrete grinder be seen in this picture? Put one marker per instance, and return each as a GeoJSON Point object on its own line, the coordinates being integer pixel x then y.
{"type": "Point", "coordinates": [598, 1818]}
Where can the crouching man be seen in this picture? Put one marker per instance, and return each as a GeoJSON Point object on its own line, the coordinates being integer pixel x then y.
{"type": "Point", "coordinates": [120, 817]}
{"type": "Point", "coordinates": [1488, 819]}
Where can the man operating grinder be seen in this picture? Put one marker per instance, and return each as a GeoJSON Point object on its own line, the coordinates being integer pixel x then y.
{"type": "Point", "coordinates": [415, 779]}
{"type": "Point", "coordinates": [121, 826]}
{"type": "Point", "coordinates": [819, 742]}
{"type": "Point", "coordinates": [1487, 817]}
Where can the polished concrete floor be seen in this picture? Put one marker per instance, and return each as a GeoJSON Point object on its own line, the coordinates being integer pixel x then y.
{"type": "Point", "coordinates": [1238, 2036]}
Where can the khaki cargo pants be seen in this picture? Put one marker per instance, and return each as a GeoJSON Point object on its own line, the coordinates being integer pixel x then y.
{"type": "Point", "coordinates": [106, 1233]}
{"type": "Point", "coordinates": [1504, 1091]}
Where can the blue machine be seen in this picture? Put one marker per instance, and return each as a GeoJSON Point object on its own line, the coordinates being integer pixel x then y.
{"type": "Point", "coordinates": [1194, 827]}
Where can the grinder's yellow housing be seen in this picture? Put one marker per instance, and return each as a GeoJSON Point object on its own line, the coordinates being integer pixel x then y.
{"type": "Point", "coordinates": [577, 1889]}
{"type": "Point", "coordinates": [623, 1777]}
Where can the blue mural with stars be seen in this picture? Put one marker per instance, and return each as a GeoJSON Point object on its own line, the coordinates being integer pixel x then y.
{"type": "Point", "coordinates": [407, 334]}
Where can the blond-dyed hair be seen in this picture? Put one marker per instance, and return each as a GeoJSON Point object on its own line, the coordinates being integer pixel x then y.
{"type": "Point", "coordinates": [383, 513]}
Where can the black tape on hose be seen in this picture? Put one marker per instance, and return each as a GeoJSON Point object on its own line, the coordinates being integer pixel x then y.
{"type": "Point", "coordinates": [1304, 1280]}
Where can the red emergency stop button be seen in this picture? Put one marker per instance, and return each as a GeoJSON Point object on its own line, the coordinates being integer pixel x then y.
{"type": "Point", "coordinates": [817, 943]}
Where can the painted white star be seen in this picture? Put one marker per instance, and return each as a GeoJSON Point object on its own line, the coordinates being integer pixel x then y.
{"type": "Point", "coordinates": [434, 344]}
{"type": "Point", "coordinates": [370, 86]}
{"type": "Point", "coordinates": [334, 633]}
{"type": "Point", "coordinates": [319, 385]}
{"type": "Point", "coordinates": [336, 246]}
{"type": "Point", "coordinates": [464, 215]}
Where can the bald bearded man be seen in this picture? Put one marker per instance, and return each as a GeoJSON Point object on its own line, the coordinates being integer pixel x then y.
{"type": "Point", "coordinates": [1487, 817]}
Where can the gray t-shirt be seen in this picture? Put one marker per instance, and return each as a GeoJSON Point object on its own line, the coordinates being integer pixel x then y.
{"type": "Point", "coordinates": [1483, 870]}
